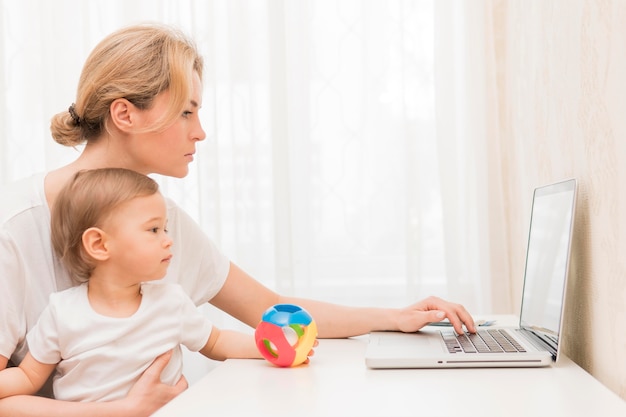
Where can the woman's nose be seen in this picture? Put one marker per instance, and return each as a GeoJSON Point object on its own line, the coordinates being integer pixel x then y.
{"type": "Point", "coordinates": [198, 132]}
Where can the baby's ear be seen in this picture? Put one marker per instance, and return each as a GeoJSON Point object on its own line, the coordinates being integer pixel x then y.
{"type": "Point", "coordinates": [94, 242]}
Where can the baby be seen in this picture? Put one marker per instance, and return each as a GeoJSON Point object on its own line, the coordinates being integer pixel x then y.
{"type": "Point", "coordinates": [109, 229]}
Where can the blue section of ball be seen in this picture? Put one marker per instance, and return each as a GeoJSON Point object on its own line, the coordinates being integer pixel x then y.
{"type": "Point", "coordinates": [285, 314]}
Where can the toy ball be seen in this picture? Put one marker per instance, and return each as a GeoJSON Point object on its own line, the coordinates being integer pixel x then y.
{"type": "Point", "coordinates": [285, 335]}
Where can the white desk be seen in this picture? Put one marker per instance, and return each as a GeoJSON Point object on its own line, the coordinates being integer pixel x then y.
{"type": "Point", "coordinates": [337, 383]}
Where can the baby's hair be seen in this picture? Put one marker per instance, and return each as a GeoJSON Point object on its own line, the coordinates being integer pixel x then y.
{"type": "Point", "coordinates": [84, 202]}
{"type": "Point", "coordinates": [135, 63]}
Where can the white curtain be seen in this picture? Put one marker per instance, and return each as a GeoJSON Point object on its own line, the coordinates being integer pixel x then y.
{"type": "Point", "coordinates": [347, 152]}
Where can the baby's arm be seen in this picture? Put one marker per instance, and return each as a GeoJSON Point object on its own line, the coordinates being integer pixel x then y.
{"type": "Point", "coordinates": [146, 397]}
{"type": "Point", "coordinates": [228, 344]}
{"type": "Point", "coordinates": [28, 378]}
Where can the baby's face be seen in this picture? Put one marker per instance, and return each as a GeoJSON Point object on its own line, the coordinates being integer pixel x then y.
{"type": "Point", "coordinates": [137, 239]}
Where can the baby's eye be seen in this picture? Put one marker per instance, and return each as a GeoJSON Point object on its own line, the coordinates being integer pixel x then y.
{"type": "Point", "coordinates": [155, 230]}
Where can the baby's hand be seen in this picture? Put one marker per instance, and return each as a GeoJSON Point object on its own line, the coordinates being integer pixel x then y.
{"type": "Point", "coordinates": [311, 352]}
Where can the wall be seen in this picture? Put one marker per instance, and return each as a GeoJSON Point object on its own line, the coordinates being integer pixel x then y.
{"type": "Point", "coordinates": [561, 104]}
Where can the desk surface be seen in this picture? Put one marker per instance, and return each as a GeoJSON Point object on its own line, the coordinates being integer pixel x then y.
{"type": "Point", "coordinates": [337, 383]}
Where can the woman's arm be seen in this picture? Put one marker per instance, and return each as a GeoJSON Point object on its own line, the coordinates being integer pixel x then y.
{"type": "Point", "coordinates": [146, 397]}
{"type": "Point", "coordinates": [246, 299]}
{"type": "Point", "coordinates": [243, 297]}
{"type": "Point", "coordinates": [27, 379]}
{"type": "Point", "coordinates": [334, 321]}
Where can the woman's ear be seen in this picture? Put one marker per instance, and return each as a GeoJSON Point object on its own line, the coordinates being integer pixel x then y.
{"type": "Point", "coordinates": [95, 243]}
{"type": "Point", "coordinates": [122, 114]}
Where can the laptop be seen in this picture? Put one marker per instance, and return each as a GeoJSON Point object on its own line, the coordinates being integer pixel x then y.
{"type": "Point", "coordinates": [535, 341]}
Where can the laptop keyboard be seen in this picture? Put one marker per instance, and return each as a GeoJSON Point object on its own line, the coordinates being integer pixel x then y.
{"type": "Point", "coordinates": [484, 341]}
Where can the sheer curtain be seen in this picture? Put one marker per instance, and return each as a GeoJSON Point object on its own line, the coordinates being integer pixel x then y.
{"type": "Point", "coordinates": [347, 152]}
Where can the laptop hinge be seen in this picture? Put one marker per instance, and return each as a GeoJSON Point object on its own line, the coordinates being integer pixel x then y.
{"type": "Point", "coordinates": [540, 340]}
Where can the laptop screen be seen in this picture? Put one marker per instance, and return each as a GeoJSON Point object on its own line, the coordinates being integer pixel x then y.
{"type": "Point", "coordinates": [547, 259]}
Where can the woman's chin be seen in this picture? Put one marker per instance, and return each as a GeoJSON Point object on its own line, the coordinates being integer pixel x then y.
{"type": "Point", "coordinates": [178, 173]}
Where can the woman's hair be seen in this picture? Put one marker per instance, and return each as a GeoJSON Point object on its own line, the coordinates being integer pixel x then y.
{"type": "Point", "coordinates": [86, 201]}
{"type": "Point", "coordinates": [136, 63]}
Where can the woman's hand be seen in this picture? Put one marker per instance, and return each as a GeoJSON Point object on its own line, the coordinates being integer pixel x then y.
{"type": "Point", "coordinates": [149, 393]}
{"type": "Point", "coordinates": [434, 309]}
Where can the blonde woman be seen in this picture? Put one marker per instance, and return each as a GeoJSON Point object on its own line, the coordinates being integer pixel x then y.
{"type": "Point", "coordinates": [137, 107]}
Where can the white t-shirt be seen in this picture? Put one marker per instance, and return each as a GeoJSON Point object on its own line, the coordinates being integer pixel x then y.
{"type": "Point", "coordinates": [100, 358]}
{"type": "Point", "coordinates": [29, 272]}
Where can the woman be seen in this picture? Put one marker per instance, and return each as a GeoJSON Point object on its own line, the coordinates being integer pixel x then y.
{"type": "Point", "coordinates": [137, 107]}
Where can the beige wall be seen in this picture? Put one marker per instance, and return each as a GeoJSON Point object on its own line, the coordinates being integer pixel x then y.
{"type": "Point", "coordinates": [561, 110]}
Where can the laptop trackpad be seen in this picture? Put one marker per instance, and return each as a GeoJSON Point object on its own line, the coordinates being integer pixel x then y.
{"type": "Point", "coordinates": [413, 341]}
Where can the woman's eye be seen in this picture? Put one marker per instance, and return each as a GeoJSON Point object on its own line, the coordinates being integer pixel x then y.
{"type": "Point", "coordinates": [187, 113]}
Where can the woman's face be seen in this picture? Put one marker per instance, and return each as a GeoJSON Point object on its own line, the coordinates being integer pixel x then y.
{"type": "Point", "coordinates": [169, 151]}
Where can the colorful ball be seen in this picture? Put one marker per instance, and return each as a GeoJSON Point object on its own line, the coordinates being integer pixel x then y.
{"type": "Point", "coordinates": [285, 335]}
